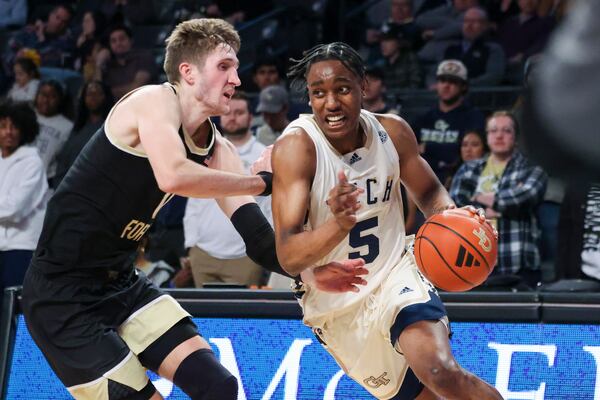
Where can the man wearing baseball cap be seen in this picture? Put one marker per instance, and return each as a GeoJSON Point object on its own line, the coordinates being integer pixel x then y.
{"type": "Point", "coordinates": [440, 130]}
{"type": "Point", "coordinates": [273, 104]}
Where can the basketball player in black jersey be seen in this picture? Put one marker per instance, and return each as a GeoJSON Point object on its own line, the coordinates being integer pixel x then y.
{"type": "Point", "coordinates": [99, 324]}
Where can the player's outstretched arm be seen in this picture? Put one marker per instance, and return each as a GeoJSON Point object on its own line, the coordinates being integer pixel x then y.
{"type": "Point", "coordinates": [294, 163]}
{"type": "Point", "coordinates": [158, 122]}
{"type": "Point", "coordinates": [418, 177]}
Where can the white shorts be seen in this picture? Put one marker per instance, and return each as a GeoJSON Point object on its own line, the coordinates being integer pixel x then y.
{"type": "Point", "coordinates": [362, 339]}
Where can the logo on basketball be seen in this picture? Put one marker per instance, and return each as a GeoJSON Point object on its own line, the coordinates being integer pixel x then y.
{"type": "Point", "coordinates": [462, 261]}
{"type": "Point", "coordinates": [373, 382]}
{"type": "Point", "coordinates": [484, 240]}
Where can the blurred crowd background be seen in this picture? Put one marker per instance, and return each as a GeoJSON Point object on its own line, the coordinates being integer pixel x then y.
{"type": "Point", "coordinates": [457, 70]}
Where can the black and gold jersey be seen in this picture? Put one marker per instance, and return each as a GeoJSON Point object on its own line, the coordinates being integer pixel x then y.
{"type": "Point", "coordinates": [104, 206]}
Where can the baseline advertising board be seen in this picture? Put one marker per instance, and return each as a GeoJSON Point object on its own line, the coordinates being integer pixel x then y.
{"type": "Point", "coordinates": [281, 359]}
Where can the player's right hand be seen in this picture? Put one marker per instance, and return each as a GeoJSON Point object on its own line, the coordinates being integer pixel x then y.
{"type": "Point", "coordinates": [343, 201]}
{"type": "Point", "coordinates": [480, 215]}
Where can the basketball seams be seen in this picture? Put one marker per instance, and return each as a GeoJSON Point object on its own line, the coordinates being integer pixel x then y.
{"type": "Point", "coordinates": [445, 262]}
{"type": "Point", "coordinates": [417, 238]}
{"type": "Point", "coordinates": [487, 265]}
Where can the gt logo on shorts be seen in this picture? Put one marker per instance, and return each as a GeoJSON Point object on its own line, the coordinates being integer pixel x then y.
{"type": "Point", "coordinates": [376, 382]}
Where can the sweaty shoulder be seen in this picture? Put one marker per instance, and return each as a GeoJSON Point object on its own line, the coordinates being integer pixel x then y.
{"type": "Point", "coordinates": [152, 99]}
{"type": "Point", "coordinates": [149, 106]}
{"type": "Point", "coordinates": [294, 149]}
{"type": "Point", "coordinates": [400, 132]}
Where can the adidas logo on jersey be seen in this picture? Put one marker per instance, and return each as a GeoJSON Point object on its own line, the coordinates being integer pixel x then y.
{"type": "Point", "coordinates": [405, 290]}
{"type": "Point", "coordinates": [355, 158]}
{"type": "Point", "coordinates": [382, 136]}
{"type": "Point", "coordinates": [465, 259]}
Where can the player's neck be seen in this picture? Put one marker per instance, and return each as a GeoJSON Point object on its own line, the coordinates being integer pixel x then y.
{"type": "Point", "coordinates": [193, 113]}
{"type": "Point", "coordinates": [348, 144]}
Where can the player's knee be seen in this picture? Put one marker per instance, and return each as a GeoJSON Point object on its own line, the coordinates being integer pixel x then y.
{"type": "Point", "coordinates": [201, 376]}
{"type": "Point", "coordinates": [226, 389]}
{"type": "Point", "coordinates": [443, 376]}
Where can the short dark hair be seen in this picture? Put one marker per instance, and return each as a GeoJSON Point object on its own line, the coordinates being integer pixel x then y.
{"type": "Point", "coordinates": [119, 27]}
{"type": "Point", "coordinates": [23, 118]}
{"type": "Point", "coordinates": [60, 90]}
{"type": "Point", "coordinates": [65, 6]}
{"type": "Point", "coordinates": [375, 72]}
{"type": "Point", "coordinates": [240, 95]}
{"type": "Point", "coordinates": [267, 60]}
{"type": "Point", "coordinates": [28, 66]}
{"type": "Point", "coordinates": [333, 51]}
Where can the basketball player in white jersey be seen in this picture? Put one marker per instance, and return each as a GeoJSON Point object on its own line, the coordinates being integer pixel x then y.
{"type": "Point", "coordinates": [392, 336]}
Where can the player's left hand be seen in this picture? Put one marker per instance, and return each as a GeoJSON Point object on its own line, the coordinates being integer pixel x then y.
{"type": "Point", "coordinates": [339, 277]}
{"type": "Point", "coordinates": [263, 163]}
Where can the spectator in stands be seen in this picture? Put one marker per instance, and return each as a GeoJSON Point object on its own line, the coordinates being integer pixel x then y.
{"type": "Point", "coordinates": [523, 36]}
{"type": "Point", "coordinates": [51, 38]}
{"type": "Point", "coordinates": [219, 254]}
{"type": "Point", "coordinates": [127, 12]}
{"type": "Point", "coordinates": [273, 104]}
{"type": "Point", "coordinates": [23, 190]}
{"type": "Point", "coordinates": [266, 71]}
{"type": "Point", "coordinates": [374, 99]}
{"type": "Point", "coordinates": [484, 59]}
{"type": "Point", "coordinates": [91, 52]}
{"type": "Point", "coordinates": [55, 127]}
{"type": "Point", "coordinates": [27, 80]}
{"type": "Point", "coordinates": [400, 64]}
{"type": "Point", "coordinates": [237, 11]}
{"type": "Point", "coordinates": [127, 69]}
{"type": "Point", "coordinates": [509, 187]}
{"type": "Point", "coordinates": [473, 147]}
{"type": "Point", "coordinates": [13, 14]}
{"type": "Point", "coordinates": [400, 18]}
{"type": "Point", "coordinates": [441, 26]}
{"type": "Point", "coordinates": [441, 129]}
{"type": "Point", "coordinates": [95, 101]}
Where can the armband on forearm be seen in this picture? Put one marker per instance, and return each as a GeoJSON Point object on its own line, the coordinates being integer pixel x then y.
{"type": "Point", "coordinates": [267, 177]}
{"type": "Point", "coordinates": [258, 236]}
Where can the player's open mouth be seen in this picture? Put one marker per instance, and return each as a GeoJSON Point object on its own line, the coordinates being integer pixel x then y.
{"type": "Point", "coordinates": [335, 121]}
{"type": "Point", "coordinates": [228, 95]}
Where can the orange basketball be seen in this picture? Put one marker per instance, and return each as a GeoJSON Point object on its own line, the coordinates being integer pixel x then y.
{"type": "Point", "coordinates": [455, 251]}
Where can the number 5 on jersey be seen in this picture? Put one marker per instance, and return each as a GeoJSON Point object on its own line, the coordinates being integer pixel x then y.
{"type": "Point", "coordinates": [356, 239]}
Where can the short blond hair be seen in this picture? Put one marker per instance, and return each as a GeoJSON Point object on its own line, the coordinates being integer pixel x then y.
{"type": "Point", "coordinates": [191, 41]}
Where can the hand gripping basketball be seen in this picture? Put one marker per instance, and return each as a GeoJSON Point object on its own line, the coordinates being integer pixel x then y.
{"type": "Point", "coordinates": [456, 249]}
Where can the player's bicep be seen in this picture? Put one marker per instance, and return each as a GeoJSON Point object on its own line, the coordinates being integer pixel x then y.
{"type": "Point", "coordinates": [293, 168]}
{"type": "Point", "coordinates": [415, 173]}
{"type": "Point", "coordinates": [158, 132]}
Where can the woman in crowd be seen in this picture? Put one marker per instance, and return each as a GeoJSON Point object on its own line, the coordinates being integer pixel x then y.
{"type": "Point", "coordinates": [27, 80]}
{"type": "Point", "coordinates": [95, 101]}
{"type": "Point", "coordinates": [23, 190]}
{"type": "Point", "coordinates": [472, 147]}
{"type": "Point", "coordinates": [92, 51]}
{"type": "Point", "coordinates": [55, 127]}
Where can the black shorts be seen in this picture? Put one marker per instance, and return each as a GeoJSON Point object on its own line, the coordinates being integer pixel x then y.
{"type": "Point", "coordinates": [91, 328]}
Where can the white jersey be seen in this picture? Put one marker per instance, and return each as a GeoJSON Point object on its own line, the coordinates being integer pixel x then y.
{"type": "Point", "coordinates": [378, 236]}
